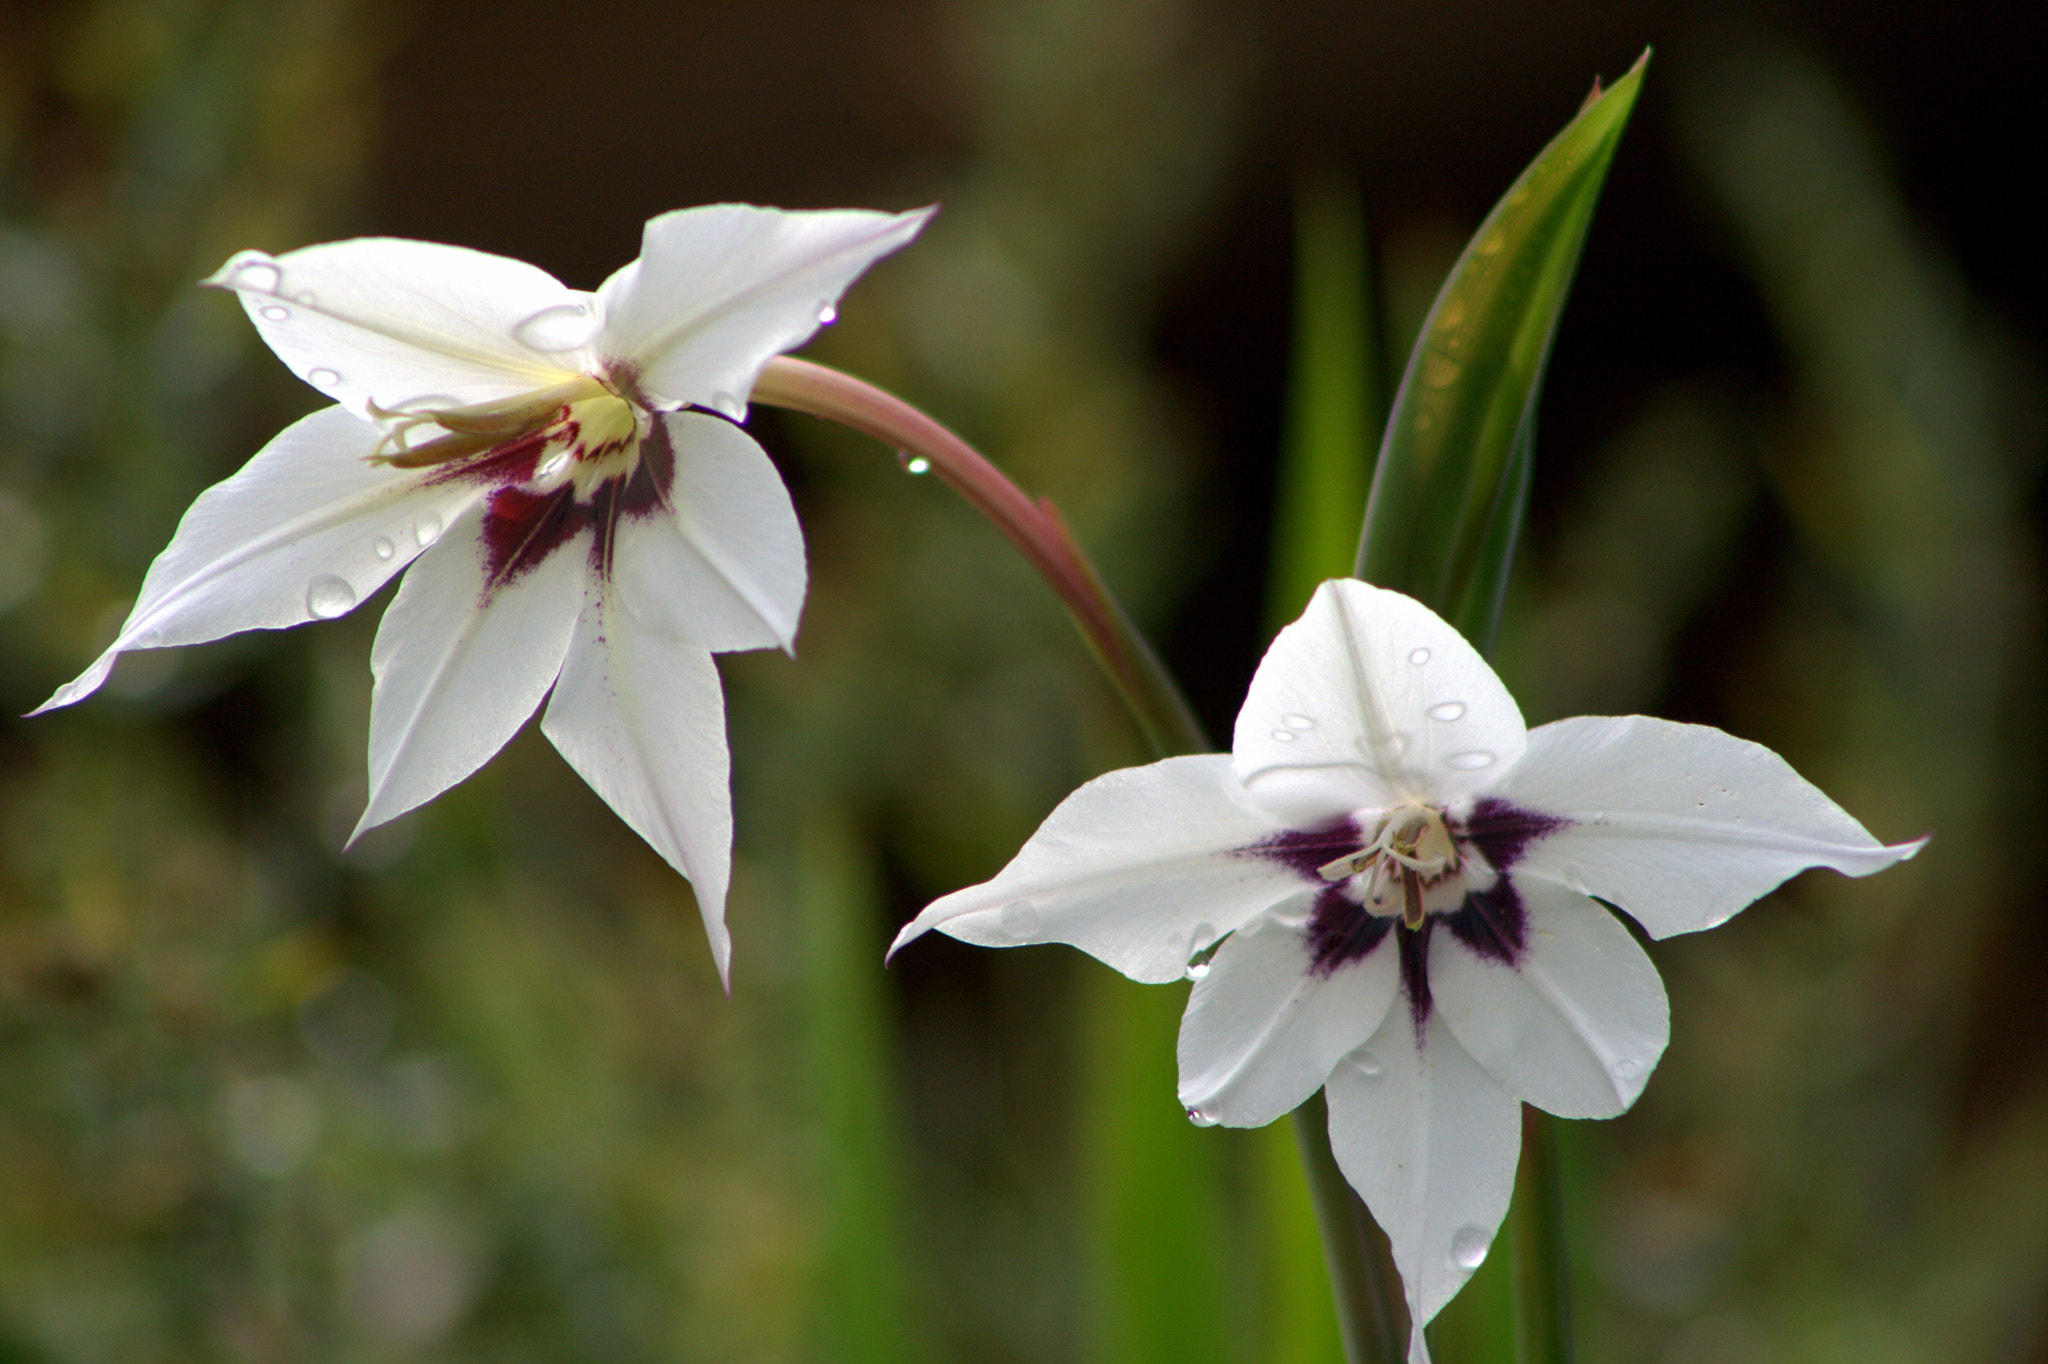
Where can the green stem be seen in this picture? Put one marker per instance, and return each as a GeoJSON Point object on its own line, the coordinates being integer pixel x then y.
{"type": "Point", "coordinates": [1035, 528]}
{"type": "Point", "coordinates": [1543, 1300]}
{"type": "Point", "coordinates": [1370, 1317]}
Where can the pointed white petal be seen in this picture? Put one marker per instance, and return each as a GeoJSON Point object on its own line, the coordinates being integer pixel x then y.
{"type": "Point", "coordinates": [306, 529]}
{"type": "Point", "coordinates": [1680, 825]}
{"type": "Point", "coordinates": [1140, 868]}
{"type": "Point", "coordinates": [721, 567]}
{"type": "Point", "coordinates": [1576, 1026]}
{"type": "Point", "coordinates": [391, 322]}
{"type": "Point", "coordinates": [1430, 1141]}
{"type": "Point", "coordinates": [458, 670]}
{"type": "Point", "coordinates": [1263, 1029]}
{"type": "Point", "coordinates": [642, 718]}
{"type": "Point", "coordinates": [1368, 700]}
{"type": "Point", "coordinates": [718, 291]}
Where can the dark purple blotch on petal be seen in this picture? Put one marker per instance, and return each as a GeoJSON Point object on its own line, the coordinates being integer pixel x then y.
{"type": "Point", "coordinates": [1414, 946]}
{"type": "Point", "coordinates": [521, 529]}
{"type": "Point", "coordinates": [1492, 923]}
{"type": "Point", "coordinates": [642, 492]}
{"type": "Point", "coordinates": [1305, 852]}
{"type": "Point", "coordinates": [1503, 830]}
{"type": "Point", "coordinates": [1341, 931]}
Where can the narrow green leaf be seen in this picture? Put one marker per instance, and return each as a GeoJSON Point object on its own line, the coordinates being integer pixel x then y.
{"type": "Point", "coordinates": [1334, 406]}
{"type": "Point", "coordinates": [1448, 491]}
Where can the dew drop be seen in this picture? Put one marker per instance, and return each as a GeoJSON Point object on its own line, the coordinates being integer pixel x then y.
{"type": "Point", "coordinates": [1297, 722]}
{"type": "Point", "coordinates": [1283, 736]}
{"type": "Point", "coordinates": [1201, 1119]}
{"type": "Point", "coordinates": [323, 378]}
{"type": "Point", "coordinates": [565, 326]}
{"type": "Point", "coordinates": [1447, 710]}
{"type": "Point", "coordinates": [1367, 1064]}
{"type": "Point", "coordinates": [276, 312]}
{"type": "Point", "coordinates": [1628, 1068]}
{"type": "Point", "coordinates": [1418, 657]}
{"type": "Point", "coordinates": [1198, 970]}
{"type": "Point", "coordinates": [727, 405]}
{"type": "Point", "coordinates": [1473, 761]}
{"type": "Point", "coordinates": [1468, 1247]}
{"type": "Point", "coordinates": [827, 314]}
{"type": "Point", "coordinates": [384, 548]}
{"type": "Point", "coordinates": [427, 529]}
{"type": "Point", "coordinates": [260, 275]}
{"type": "Point", "coordinates": [1019, 918]}
{"type": "Point", "coordinates": [328, 597]}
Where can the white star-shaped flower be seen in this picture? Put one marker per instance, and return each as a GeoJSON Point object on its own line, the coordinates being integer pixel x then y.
{"type": "Point", "coordinates": [566, 470]}
{"type": "Point", "coordinates": [1397, 871]}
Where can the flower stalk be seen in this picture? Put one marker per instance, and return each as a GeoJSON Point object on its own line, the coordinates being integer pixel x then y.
{"type": "Point", "coordinates": [1034, 527]}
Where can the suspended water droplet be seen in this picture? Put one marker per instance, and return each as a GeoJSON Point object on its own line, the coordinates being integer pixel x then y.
{"type": "Point", "coordinates": [263, 276]}
{"type": "Point", "coordinates": [1473, 761]}
{"type": "Point", "coordinates": [1284, 736]}
{"type": "Point", "coordinates": [1447, 710]}
{"type": "Point", "coordinates": [276, 312]}
{"type": "Point", "coordinates": [1019, 918]}
{"type": "Point", "coordinates": [729, 405]}
{"type": "Point", "coordinates": [1201, 1119]}
{"type": "Point", "coordinates": [1418, 657]}
{"type": "Point", "coordinates": [917, 465]}
{"type": "Point", "coordinates": [1368, 1065]}
{"type": "Point", "coordinates": [827, 314]}
{"type": "Point", "coordinates": [323, 378]}
{"type": "Point", "coordinates": [328, 596]}
{"type": "Point", "coordinates": [565, 326]}
{"type": "Point", "coordinates": [383, 547]}
{"type": "Point", "coordinates": [1468, 1247]}
{"type": "Point", "coordinates": [1198, 970]}
{"type": "Point", "coordinates": [427, 529]}
{"type": "Point", "coordinates": [1297, 722]}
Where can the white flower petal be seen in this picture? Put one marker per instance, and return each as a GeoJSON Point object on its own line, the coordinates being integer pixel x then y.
{"type": "Point", "coordinates": [305, 531]}
{"type": "Point", "coordinates": [458, 669]}
{"type": "Point", "coordinates": [1680, 825]}
{"type": "Point", "coordinates": [642, 718]}
{"type": "Point", "coordinates": [1576, 1026]}
{"type": "Point", "coordinates": [719, 290]}
{"type": "Point", "coordinates": [1263, 1029]}
{"type": "Point", "coordinates": [1430, 1141]}
{"type": "Point", "coordinates": [724, 568]}
{"type": "Point", "coordinates": [1140, 868]}
{"type": "Point", "coordinates": [384, 321]}
{"type": "Point", "coordinates": [1368, 700]}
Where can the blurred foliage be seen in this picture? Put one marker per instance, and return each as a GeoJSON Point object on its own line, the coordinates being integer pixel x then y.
{"type": "Point", "coordinates": [470, 1091]}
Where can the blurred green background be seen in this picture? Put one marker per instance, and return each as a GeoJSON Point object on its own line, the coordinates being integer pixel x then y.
{"type": "Point", "coordinates": [470, 1091]}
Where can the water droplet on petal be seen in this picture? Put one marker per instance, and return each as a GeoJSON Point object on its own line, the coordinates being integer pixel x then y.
{"type": "Point", "coordinates": [1201, 1119]}
{"type": "Point", "coordinates": [1447, 710]}
{"type": "Point", "coordinates": [1468, 1247]}
{"type": "Point", "coordinates": [323, 378]}
{"type": "Point", "coordinates": [727, 405]}
{"type": "Point", "coordinates": [827, 314]}
{"type": "Point", "coordinates": [306, 296]}
{"type": "Point", "coordinates": [384, 548]}
{"type": "Point", "coordinates": [1418, 657]}
{"type": "Point", "coordinates": [1297, 722]}
{"type": "Point", "coordinates": [1367, 1065]}
{"type": "Point", "coordinates": [1283, 736]}
{"type": "Point", "coordinates": [565, 326]}
{"type": "Point", "coordinates": [1019, 918]}
{"type": "Point", "coordinates": [427, 529]}
{"type": "Point", "coordinates": [329, 596]}
{"type": "Point", "coordinates": [276, 312]}
{"type": "Point", "coordinates": [1198, 970]}
{"type": "Point", "coordinates": [1628, 1068]}
{"type": "Point", "coordinates": [1473, 761]}
{"type": "Point", "coordinates": [260, 275]}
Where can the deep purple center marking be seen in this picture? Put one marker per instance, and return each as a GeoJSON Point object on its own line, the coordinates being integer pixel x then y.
{"type": "Point", "coordinates": [1341, 931]}
{"type": "Point", "coordinates": [1414, 948]}
{"type": "Point", "coordinates": [1492, 923]}
{"type": "Point", "coordinates": [1305, 852]}
{"type": "Point", "coordinates": [522, 526]}
{"type": "Point", "coordinates": [1503, 830]}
